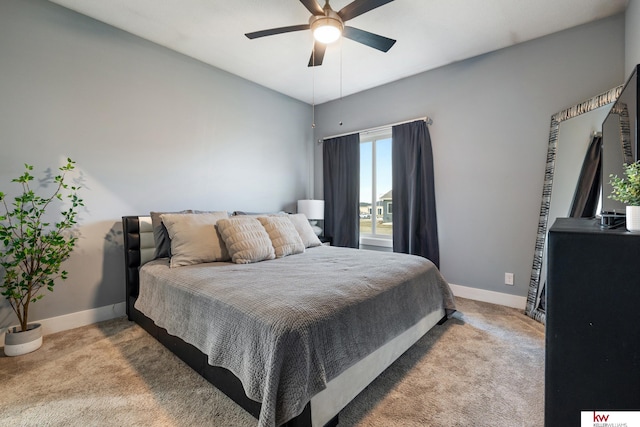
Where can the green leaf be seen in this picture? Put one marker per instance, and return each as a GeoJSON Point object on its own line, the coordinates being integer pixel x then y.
{"type": "Point", "coordinates": [32, 250]}
{"type": "Point", "coordinates": [627, 190]}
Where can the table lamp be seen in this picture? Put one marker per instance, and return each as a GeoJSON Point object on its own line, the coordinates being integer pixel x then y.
{"type": "Point", "coordinates": [314, 211]}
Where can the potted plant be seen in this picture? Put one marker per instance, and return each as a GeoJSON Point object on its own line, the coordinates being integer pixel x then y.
{"type": "Point", "coordinates": [32, 249]}
{"type": "Point", "coordinates": [627, 191]}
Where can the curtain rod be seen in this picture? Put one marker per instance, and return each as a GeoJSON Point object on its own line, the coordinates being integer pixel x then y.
{"type": "Point", "coordinates": [426, 119]}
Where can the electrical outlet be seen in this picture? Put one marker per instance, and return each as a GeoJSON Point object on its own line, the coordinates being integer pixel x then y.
{"type": "Point", "coordinates": [508, 279]}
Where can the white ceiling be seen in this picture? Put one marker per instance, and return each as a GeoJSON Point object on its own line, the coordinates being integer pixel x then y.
{"type": "Point", "coordinates": [429, 34]}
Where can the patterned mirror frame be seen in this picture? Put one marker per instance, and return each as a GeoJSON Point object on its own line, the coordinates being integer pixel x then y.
{"type": "Point", "coordinates": [532, 308]}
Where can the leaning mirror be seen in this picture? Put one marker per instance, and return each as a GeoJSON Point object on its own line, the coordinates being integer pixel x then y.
{"type": "Point", "coordinates": [574, 139]}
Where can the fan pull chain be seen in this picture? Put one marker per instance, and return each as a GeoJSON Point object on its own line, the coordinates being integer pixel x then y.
{"type": "Point", "coordinates": [313, 87]}
{"type": "Point", "coordinates": [340, 123]}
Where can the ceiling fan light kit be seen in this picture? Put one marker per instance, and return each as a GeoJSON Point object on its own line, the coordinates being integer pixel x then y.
{"type": "Point", "coordinates": [328, 26]}
{"type": "Point", "coordinates": [326, 29]}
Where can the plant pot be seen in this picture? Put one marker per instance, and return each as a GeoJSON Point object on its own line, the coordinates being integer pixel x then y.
{"type": "Point", "coordinates": [17, 343]}
{"type": "Point", "coordinates": [633, 218]}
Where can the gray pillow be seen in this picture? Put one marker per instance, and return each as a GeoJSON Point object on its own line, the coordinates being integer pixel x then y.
{"type": "Point", "coordinates": [301, 223]}
{"type": "Point", "coordinates": [256, 214]}
{"type": "Point", "coordinates": [161, 235]}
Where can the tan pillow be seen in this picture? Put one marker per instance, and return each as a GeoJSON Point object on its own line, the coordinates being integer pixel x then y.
{"type": "Point", "coordinates": [284, 236]}
{"type": "Point", "coordinates": [160, 234]}
{"type": "Point", "coordinates": [194, 238]}
{"type": "Point", "coordinates": [246, 239]}
{"type": "Point", "coordinates": [301, 223]}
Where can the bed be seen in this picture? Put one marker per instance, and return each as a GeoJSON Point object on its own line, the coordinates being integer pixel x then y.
{"type": "Point", "coordinates": [291, 340]}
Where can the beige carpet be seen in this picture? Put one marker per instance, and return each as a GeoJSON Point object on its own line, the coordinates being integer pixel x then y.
{"type": "Point", "coordinates": [484, 367]}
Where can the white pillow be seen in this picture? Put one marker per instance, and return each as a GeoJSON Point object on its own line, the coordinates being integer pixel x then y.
{"type": "Point", "coordinates": [194, 238]}
{"type": "Point", "coordinates": [246, 239]}
{"type": "Point", "coordinates": [301, 223]}
{"type": "Point", "coordinates": [284, 236]}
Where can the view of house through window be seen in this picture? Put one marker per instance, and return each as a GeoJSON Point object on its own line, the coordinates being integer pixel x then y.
{"type": "Point", "coordinates": [375, 185]}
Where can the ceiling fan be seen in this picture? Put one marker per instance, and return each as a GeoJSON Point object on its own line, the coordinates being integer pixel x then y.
{"type": "Point", "coordinates": [327, 26]}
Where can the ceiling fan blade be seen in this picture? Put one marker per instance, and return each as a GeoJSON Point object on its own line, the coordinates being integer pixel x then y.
{"type": "Point", "coordinates": [313, 7]}
{"type": "Point", "coordinates": [372, 40]}
{"type": "Point", "coordinates": [317, 54]}
{"type": "Point", "coordinates": [358, 7]}
{"type": "Point", "coordinates": [274, 31]}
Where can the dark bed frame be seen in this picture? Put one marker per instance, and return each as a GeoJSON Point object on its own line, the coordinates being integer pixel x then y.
{"type": "Point", "coordinates": [221, 378]}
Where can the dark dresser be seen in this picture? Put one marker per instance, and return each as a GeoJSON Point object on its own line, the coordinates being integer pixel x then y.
{"type": "Point", "coordinates": [592, 351]}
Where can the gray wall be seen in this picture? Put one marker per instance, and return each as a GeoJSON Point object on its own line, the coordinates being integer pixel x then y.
{"type": "Point", "coordinates": [491, 119]}
{"type": "Point", "coordinates": [150, 129]}
{"type": "Point", "coordinates": [632, 36]}
{"type": "Point", "coordinates": [154, 130]}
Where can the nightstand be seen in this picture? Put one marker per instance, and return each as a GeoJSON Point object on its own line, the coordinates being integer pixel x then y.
{"type": "Point", "coordinates": [326, 241]}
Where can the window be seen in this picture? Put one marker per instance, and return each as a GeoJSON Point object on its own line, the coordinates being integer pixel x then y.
{"type": "Point", "coordinates": [375, 188]}
{"type": "Point", "coordinates": [389, 206]}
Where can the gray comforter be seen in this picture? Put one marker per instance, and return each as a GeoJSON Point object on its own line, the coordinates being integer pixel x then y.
{"type": "Point", "coordinates": [288, 326]}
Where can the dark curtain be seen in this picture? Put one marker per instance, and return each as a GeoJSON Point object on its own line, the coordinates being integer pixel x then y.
{"type": "Point", "coordinates": [585, 198]}
{"type": "Point", "coordinates": [415, 228]}
{"type": "Point", "coordinates": [341, 167]}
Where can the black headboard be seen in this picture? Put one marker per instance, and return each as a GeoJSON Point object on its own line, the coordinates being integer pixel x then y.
{"type": "Point", "coordinates": [138, 249]}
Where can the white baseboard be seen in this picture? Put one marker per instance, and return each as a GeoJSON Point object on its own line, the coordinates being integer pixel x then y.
{"type": "Point", "coordinates": [489, 296]}
{"type": "Point", "coordinates": [75, 320]}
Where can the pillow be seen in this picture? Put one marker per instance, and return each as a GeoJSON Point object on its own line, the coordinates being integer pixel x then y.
{"type": "Point", "coordinates": [246, 239]}
{"type": "Point", "coordinates": [257, 214]}
{"type": "Point", "coordinates": [194, 238]}
{"type": "Point", "coordinates": [284, 236]}
{"type": "Point", "coordinates": [301, 223]}
{"type": "Point", "coordinates": [160, 235]}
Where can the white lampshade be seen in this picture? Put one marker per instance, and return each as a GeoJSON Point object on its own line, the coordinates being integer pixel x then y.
{"type": "Point", "coordinates": [312, 209]}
